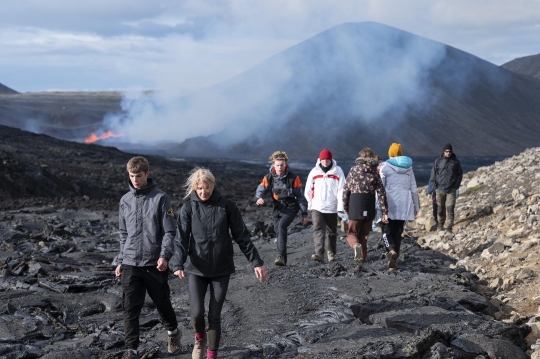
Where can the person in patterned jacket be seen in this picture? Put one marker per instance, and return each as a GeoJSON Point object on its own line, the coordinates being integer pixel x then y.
{"type": "Point", "coordinates": [362, 183]}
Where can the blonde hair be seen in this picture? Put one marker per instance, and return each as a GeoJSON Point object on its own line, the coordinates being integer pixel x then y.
{"type": "Point", "coordinates": [278, 156]}
{"type": "Point", "coordinates": [196, 175]}
{"type": "Point", "coordinates": [366, 152]}
{"type": "Point", "coordinates": [138, 164]}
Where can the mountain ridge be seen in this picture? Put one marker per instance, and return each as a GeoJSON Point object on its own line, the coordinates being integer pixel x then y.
{"type": "Point", "coordinates": [461, 99]}
{"type": "Point", "coordinates": [527, 65]}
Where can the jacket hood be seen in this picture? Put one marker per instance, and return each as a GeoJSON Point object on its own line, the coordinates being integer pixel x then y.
{"type": "Point", "coordinates": [369, 164]}
{"type": "Point", "coordinates": [213, 198]}
{"type": "Point", "coordinates": [150, 184]}
{"type": "Point", "coordinates": [401, 161]}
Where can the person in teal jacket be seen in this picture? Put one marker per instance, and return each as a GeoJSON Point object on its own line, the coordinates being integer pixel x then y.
{"type": "Point", "coordinates": [402, 196]}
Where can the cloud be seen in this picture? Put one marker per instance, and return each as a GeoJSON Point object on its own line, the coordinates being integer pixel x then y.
{"type": "Point", "coordinates": [144, 43]}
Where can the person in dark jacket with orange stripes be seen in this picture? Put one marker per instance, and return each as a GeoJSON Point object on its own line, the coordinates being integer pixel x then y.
{"type": "Point", "coordinates": [288, 197]}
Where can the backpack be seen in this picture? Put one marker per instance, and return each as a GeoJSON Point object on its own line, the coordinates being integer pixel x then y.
{"type": "Point", "coordinates": [291, 177]}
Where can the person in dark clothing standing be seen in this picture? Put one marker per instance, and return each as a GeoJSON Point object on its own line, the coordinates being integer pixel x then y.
{"type": "Point", "coordinates": [147, 229]}
{"type": "Point", "coordinates": [288, 197]}
{"type": "Point", "coordinates": [362, 183]}
{"type": "Point", "coordinates": [208, 225]}
{"type": "Point", "coordinates": [446, 177]}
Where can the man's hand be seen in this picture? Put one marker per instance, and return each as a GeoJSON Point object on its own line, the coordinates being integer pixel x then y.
{"type": "Point", "coordinates": [118, 270]}
{"type": "Point", "coordinates": [385, 218]}
{"type": "Point", "coordinates": [260, 273]}
{"type": "Point", "coordinates": [162, 264]}
{"type": "Point", "coordinates": [304, 221]}
{"type": "Point", "coordinates": [260, 201]}
{"type": "Point", "coordinates": [180, 274]}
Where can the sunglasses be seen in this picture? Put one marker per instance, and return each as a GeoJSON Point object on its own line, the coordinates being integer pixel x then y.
{"type": "Point", "coordinates": [279, 156]}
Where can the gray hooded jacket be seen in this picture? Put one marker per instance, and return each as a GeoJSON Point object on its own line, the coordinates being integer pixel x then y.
{"type": "Point", "coordinates": [146, 226]}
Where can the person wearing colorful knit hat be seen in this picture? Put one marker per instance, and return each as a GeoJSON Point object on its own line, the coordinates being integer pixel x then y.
{"type": "Point", "coordinates": [324, 194]}
{"type": "Point", "coordinates": [402, 195]}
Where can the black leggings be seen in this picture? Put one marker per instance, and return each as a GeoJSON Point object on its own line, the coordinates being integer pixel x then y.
{"type": "Point", "coordinates": [394, 230]}
{"type": "Point", "coordinates": [198, 286]}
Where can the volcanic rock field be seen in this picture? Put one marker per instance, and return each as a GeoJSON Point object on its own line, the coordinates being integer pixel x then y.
{"type": "Point", "coordinates": [59, 297]}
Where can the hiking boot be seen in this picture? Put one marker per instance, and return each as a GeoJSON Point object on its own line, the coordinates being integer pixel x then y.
{"type": "Point", "coordinates": [448, 229]}
{"type": "Point", "coordinates": [440, 227]}
{"type": "Point", "coordinates": [130, 354]}
{"type": "Point", "coordinates": [279, 261]}
{"type": "Point", "coordinates": [173, 345]}
{"type": "Point", "coordinates": [358, 253]}
{"type": "Point", "coordinates": [199, 349]}
{"type": "Point", "coordinates": [317, 258]}
{"type": "Point", "coordinates": [331, 256]}
{"type": "Point", "coordinates": [392, 257]}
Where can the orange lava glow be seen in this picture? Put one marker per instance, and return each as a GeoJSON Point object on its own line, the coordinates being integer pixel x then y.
{"type": "Point", "coordinates": [93, 137]}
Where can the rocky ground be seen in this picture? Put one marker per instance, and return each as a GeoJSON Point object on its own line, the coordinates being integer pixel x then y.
{"type": "Point", "coordinates": [496, 234]}
{"type": "Point", "coordinates": [60, 299]}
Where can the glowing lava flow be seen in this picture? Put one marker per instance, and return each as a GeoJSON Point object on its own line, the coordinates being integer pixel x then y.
{"type": "Point", "coordinates": [93, 137]}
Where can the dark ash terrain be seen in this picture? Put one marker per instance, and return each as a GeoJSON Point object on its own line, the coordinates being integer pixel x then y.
{"type": "Point", "coordinates": [59, 297]}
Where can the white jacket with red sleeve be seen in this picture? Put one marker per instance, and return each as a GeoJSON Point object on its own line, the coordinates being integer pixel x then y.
{"type": "Point", "coordinates": [324, 191]}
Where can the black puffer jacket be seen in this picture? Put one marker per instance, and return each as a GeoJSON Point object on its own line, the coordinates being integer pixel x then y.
{"type": "Point", "coordinates": [446, 174]}
{"type": "Point", "coordinates": [205, 246]}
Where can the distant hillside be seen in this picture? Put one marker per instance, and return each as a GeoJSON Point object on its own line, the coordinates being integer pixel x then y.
{"type": "Point", "coordinates": [65, 115]}
{"type": "Point", "coordinates": [38, 169]}
{"type": "Point", "coordinates": [6, 90]}
{"type": "Point", "coordinates": [528, 65]}
{"type": "Point", "coordinates": [367, 84]}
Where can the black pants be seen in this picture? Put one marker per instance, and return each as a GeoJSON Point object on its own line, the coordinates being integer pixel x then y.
{"type": "Point", "coordinates": [136, 281]}
{"type": "Point", "coordinates": [280, 227]}
{"type": "Point", "coordinates": [198, 286]}
{"type": "Point", "coordinates": [393, 230]}
{"type": "Point", "coordinates": [320, 222]}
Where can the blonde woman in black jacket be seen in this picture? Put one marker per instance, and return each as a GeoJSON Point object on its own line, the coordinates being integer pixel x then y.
{"type": "Point", "coordinates": [204, 253]}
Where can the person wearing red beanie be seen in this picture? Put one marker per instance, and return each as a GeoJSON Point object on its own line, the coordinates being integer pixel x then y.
{"type": "Point", "coordinates": [324, 192]}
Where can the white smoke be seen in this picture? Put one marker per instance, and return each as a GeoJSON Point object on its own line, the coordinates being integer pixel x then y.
{"type": "Point", "coordinates": [359, 71]}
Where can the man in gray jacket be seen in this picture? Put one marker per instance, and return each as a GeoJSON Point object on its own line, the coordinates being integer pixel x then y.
{"type": "Point", "coordinates": [446, 177]}
{"type": "Point", "coordinates": [147, 229]}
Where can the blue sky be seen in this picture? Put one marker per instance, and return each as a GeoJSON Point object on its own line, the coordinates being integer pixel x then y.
{"type": "Point", "coordinates": [66, 45]}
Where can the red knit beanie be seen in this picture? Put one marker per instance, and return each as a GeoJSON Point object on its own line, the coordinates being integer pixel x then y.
{"type": "Point", "coordinates": [325, 154]}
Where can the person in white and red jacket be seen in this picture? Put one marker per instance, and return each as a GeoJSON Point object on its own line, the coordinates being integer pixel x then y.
{"type": "Point", "coordinates": [324, 194]}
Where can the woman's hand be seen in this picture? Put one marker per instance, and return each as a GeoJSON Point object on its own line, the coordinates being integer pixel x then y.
{"type": "Point", "coordinates": [260, 201]}
{"type": "Point", "coordinates": [304, 221]}
{"type": "Point", "coordinates": [260, 273]}
{"type": "Point", "coordinates": [179, 274]}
